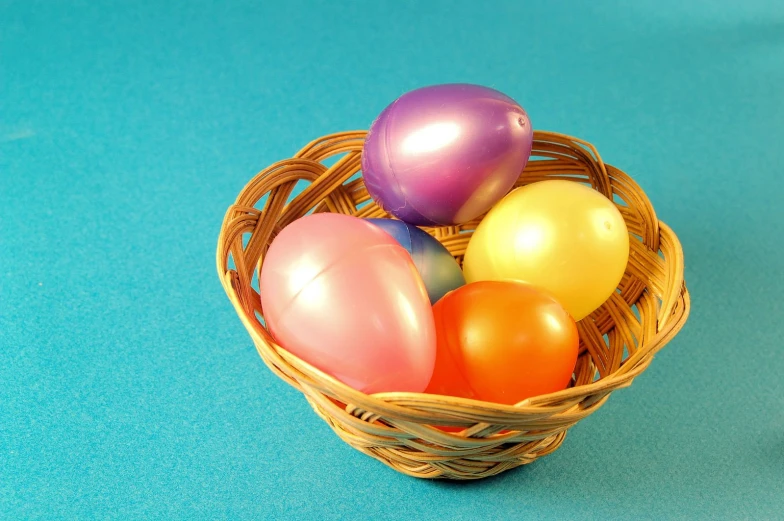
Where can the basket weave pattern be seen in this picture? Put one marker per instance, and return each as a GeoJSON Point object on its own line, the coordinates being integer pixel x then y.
{"type": "Point", "coordinates": [617, 342]}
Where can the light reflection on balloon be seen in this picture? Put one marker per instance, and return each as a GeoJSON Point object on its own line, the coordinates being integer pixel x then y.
{"type": "Point", "coordinates": [431, 138]}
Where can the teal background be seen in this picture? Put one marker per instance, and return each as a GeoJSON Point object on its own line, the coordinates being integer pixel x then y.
{"type": "Point", "coordinates": [130, 390]}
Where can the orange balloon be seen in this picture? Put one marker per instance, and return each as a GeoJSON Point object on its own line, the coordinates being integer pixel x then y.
{"type": "Point", "coordinates": [503, 342]}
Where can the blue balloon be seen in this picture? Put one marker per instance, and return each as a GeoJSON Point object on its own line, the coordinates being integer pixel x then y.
{"type": "Point", "coordinates": [438, 269]}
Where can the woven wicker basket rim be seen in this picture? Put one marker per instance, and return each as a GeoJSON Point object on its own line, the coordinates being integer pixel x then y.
{"type": "Point", "coordinates": [654, 284]}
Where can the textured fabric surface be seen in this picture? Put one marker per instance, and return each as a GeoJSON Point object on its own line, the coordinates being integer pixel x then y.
{"type": "Point", "coordinates": [130, 390]}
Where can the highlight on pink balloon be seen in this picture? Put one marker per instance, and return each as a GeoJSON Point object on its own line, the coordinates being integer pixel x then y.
{"type": "Point", "coordinates": [344, 296]}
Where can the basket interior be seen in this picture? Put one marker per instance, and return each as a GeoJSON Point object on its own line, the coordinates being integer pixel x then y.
{"type": "Point", "coordinates": [609, 336]}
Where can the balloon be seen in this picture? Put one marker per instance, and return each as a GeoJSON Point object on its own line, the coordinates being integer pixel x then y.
{"type": "Point", "coordinates": [558, 235]}
{"type": "Point", "coordinates": [344, 296]}
{"type": "Point", "coordinates": [438, 269]}
{"type": "Point", "coordinates": [503, 342]}
{"type": "Point", "coordinates": [445, 154]}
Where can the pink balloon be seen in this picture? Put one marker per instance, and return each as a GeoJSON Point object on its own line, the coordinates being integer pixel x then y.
{"type": "Point", "coordinates": [345, 297]}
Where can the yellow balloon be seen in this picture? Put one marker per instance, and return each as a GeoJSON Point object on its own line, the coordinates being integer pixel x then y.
{"type": "Point", "coordinates": [561, 236]}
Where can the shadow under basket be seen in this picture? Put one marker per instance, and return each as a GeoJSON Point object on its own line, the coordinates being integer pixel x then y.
{"type": "Point", "coordinates": [406, 430]}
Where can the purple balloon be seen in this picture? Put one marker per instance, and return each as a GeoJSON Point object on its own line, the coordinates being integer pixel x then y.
{"type": "Point", "coordinates": [445, 154]}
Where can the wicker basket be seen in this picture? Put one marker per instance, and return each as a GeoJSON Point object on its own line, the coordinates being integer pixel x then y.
{"type": "Point", "coordinates": [617, 342]}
